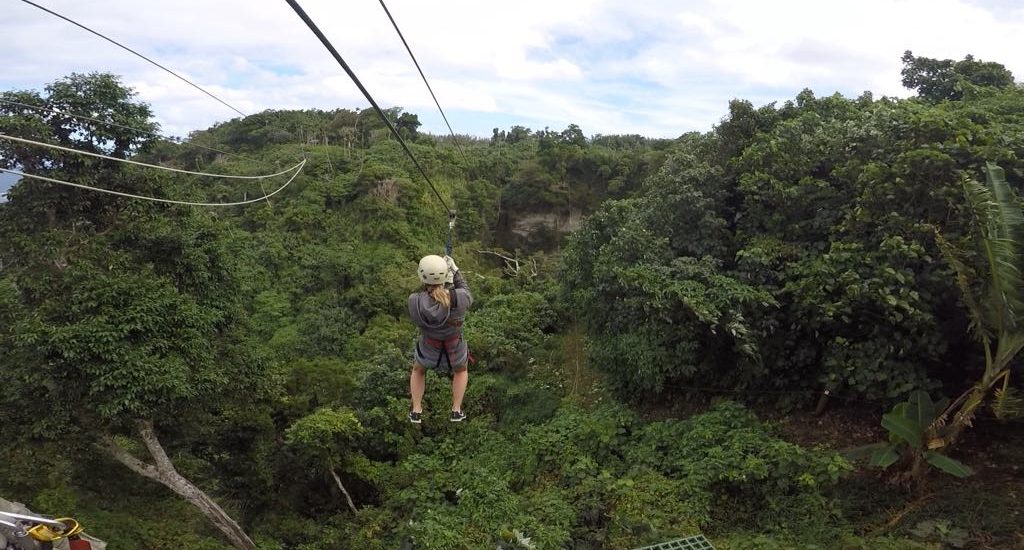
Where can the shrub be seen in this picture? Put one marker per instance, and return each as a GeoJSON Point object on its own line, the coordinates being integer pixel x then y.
{"type": "Point", "coordinates": [509, 330]}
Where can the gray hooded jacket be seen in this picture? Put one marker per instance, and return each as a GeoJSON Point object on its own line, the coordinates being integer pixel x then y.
{"type": "Point", "coordinates": [439, 324]}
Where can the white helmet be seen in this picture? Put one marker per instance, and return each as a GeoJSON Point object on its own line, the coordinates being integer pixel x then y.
{"type": "Point", "coordinates": [433, 270]}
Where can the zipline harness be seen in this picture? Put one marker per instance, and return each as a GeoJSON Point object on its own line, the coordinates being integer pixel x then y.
{"type": "Point", "coordinates": [445, 345]}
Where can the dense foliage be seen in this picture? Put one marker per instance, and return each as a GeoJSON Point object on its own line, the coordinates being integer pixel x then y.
{"type": "Point", "coordinates": [264, 351]}
{"type": "Point", "coordinates": [793, 249]}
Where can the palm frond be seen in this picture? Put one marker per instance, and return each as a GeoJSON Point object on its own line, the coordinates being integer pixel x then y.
{"type": "Point", "coordinates": [964, 276]}
{"type": "Point", "coordinates": [1006, 238]}
{"type": "Point", "coordinates": [1008, 404]}
{"type": "Point", "coordinates": [1011, 219]}
{"type": "Point", "coordinates": [980, 201]}
{"type": "Point", "coordinates": [1010, 344]}
{"type": "Point", "coordinates": [1004, 265]}
{"type": "Point", "coordinates": [1001, 225]}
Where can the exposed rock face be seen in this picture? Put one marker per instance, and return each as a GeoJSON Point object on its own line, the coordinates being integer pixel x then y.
{"type": "Point", "coordinates": [563, 221]}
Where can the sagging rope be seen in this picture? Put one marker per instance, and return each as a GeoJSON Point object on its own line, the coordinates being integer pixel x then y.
{"type": "Point", "coordinates": [111, 124]}
{"type": "Point", "coordinates": [156, 166]}
{"type": "Point", "coordinates": [297, 168]}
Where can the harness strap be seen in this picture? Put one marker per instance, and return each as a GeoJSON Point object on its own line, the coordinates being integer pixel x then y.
{"type": "Point", "coordinates": [443, 345]}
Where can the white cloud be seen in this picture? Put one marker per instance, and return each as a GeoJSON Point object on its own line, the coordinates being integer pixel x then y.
{"type": "Point", "coordinates": [657, 67]}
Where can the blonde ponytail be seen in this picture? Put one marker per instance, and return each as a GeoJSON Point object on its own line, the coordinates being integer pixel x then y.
{"type": "Point", "coordinates": [440, 295]}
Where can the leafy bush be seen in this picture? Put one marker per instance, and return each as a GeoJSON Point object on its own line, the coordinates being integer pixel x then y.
{"type": "Point", "coordinates": [732, 463]}
{"type": "Point", "coordinates": [509, 330]}
{"type": "Point", "coordinates": [807, 227]}
{"type": "Point", "coordinates": [599, 476]}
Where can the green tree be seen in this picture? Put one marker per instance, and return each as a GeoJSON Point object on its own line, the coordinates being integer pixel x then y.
{"type": "Point", "coordinates": [945, 79]}
{"type": "Point", "coordinates": [517, 134]}
{"type": "Point", "coordinates": [134, 330]}
{"type": "Point", "coordinates": [322, 438]}
{"type": "Point", "coordinates": [104, 98]}
{"type": "Point", "coordinates": [824, 206]}
{"type": "Point", "coordinates": [408, 125]}
{"type": "Point", "coordinates": [660, 317]}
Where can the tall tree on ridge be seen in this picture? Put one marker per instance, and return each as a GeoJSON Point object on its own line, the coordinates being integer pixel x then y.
{"type": "Point", "coordinates": [125, 315]}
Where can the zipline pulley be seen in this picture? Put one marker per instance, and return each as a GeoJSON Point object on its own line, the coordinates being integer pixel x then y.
{"type": "Point", "coordinates": [26, 532]}
{"type": "Point", "coordinates": [451, 230]}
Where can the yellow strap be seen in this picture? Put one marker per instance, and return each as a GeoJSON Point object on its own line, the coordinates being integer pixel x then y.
{"type": "Point", "coordinates": [44, 533]}
{"type": "Point", "coordinates": [73, 527]}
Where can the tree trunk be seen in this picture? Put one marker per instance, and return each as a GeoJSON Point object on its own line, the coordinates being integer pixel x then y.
{"type": "Point", "coordinates": [163, 472]}
{"type": "Point", "coordinates": [348, 498]}
{"type": "Point", "coordinates": [996, 368]}
{"type": "Point", "coordinates": [822, 403]}
{"type": "Point", "coordinates": [919, 475]}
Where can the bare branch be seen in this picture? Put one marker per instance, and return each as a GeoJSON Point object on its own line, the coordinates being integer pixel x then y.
{"type": "Point", "coordinates": [165, 474]}
{"type": "Point", "coordinates": [498, 254]}
{"type": "Point", "coordinates": [348, 497]}
{"type": "Point", "coordinates": [148, 434]}
{"type": "Point", "coordinates": [513, 265]}
{"type": "Point", "coordinates": [110, 447]}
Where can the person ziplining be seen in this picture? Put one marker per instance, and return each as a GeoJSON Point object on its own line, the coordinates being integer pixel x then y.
{"type": "Point", "coordinates": [438, 312]}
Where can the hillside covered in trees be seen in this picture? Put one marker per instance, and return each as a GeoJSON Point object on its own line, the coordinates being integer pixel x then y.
{"type": "Point", "coordinates": [799, 329]}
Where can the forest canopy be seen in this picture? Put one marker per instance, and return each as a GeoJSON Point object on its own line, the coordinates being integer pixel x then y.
{"type": "Point", "coordinates": [207, 378]}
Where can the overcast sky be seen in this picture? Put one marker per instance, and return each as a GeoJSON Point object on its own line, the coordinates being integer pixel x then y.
{"type": "Point", "coordinates": [658, 68]}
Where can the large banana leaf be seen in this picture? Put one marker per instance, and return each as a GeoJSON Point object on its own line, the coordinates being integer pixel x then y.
{"type": "Point", "coordinates": [903, 427]}
{"type": "Point", "coordinates": [863, 451]}
{"type": "Point", "coordinates": [920, 409]}
{"type": "Point", "coordinates": [884, 457]}
{"type": "Point", "coordinates": [949, 465]}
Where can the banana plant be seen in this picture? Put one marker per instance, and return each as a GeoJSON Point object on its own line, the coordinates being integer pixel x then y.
{"type": "Point", "coordinates": [916, 430]}
{"type": "Point", "coordinates": [992, 294]}
{"type": "Point", "coordinates": [920, 431]}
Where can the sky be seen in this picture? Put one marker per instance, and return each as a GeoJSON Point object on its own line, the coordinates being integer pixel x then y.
{"type": "Point", "coordinates": [653, 67]}
{"type": "Point", "coordinates": [6, 181]}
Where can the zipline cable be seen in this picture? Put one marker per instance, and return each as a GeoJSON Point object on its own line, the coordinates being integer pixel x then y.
{"type": "Point", "coordinates": [126, 48]}
{"type": "Point", "coordinates": [157, 166]}
{"type": "Point", "coordinates": [297, 167]}
{"type": "Point", "coordinates": [337, 57]}
{"type": "Point", "coordinates": [298, 170]}
{"type": "Point", "coordinates": [181, 141]}
{"type": "Point", "coordinates": [431, 90]}
{"type": "Point", "coordinates": [451, 216]}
